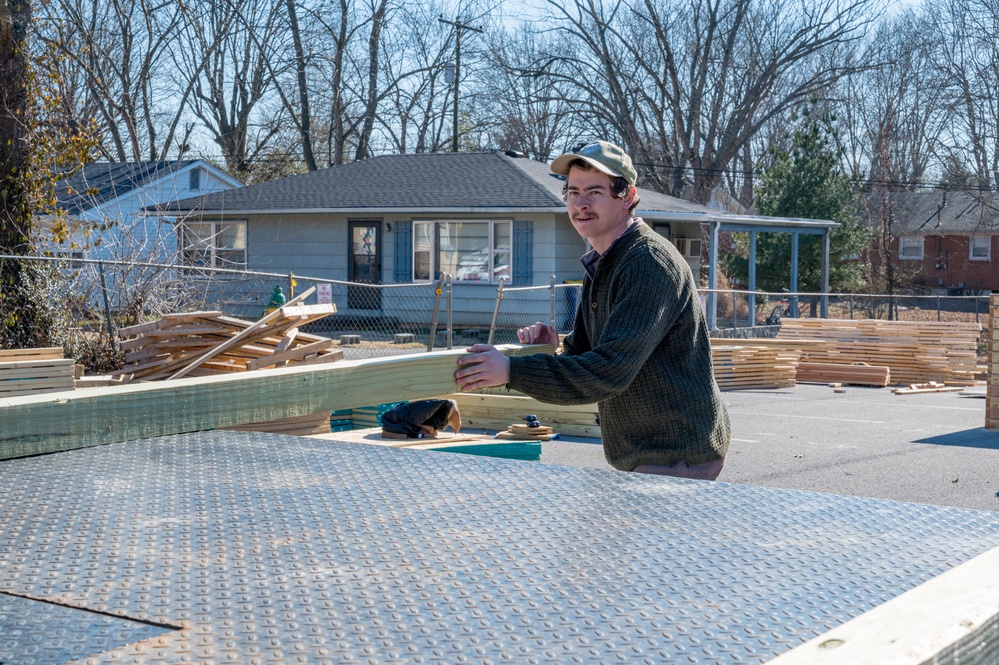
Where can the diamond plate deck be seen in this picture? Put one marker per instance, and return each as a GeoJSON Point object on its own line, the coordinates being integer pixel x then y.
{"type": "Point", "coordinates": [271, 549]}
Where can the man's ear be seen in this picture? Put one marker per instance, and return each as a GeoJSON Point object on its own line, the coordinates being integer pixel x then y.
{"type": "Point", "coordinates": [629, 197]}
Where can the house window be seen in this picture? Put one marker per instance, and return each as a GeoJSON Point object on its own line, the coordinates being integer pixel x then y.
{"type": "Point", "coordinates": [981, 248]}
{"type": "Point", "coordinates": [194, 180]}
{"type": "Point", "coordinates": [910, 247]}
{"type": "Point", "coordinates": [471, 252]}
{"type": "Point", "coordinates": [214, 244]}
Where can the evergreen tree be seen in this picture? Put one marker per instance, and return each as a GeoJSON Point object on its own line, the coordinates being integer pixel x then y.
{"type": "Point", "coordinates": [806, 180]}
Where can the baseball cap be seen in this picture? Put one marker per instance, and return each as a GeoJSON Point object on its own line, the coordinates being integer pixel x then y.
{"type": "Point", "coordinates": [601, 155]}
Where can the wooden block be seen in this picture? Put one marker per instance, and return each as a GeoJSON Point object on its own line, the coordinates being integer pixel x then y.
{"type": "Point", "coordinates": [349, 339]}
{"type": "Point", "coordinates": [403, 338]}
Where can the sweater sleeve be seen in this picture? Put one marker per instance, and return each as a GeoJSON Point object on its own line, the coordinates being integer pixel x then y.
{"type": "Point", "coordinates": [645, 300]}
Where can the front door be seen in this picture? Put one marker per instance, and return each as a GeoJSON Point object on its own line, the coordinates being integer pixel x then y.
{"type": "Point", "coordinates": [365, 265]}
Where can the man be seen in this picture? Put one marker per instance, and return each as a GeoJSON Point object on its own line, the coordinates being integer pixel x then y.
{"type": "Point", "coordinates": [639, 347]}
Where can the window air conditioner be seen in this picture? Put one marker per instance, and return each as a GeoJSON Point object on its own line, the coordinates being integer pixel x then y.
{"type": "Point", "coordinates": [689, 247]}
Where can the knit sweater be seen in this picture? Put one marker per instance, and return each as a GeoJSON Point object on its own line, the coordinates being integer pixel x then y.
{"type": "Point", "coordinates": [640, 350]}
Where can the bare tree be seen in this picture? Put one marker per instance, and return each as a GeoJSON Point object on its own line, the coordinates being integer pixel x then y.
{"type": "Point", "coordinates": [527, 117]}
{"type": "Point", "coordinates": [685, 84]}
{"type": "Point", "coordinates": [118, 70]}
{"type": "Point", "coordinates": [230, 50]}
{"type": "Point", "coordinates": [898, 103]}
{"type": "Point", "coordinates": [967, 56]}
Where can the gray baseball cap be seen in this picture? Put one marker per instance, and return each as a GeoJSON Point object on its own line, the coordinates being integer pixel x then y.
{"type": "Point", "coordinates": [603, 156]}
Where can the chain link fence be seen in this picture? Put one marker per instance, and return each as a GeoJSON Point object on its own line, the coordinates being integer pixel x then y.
{"type": "Point", "coordinates": [78, 304]}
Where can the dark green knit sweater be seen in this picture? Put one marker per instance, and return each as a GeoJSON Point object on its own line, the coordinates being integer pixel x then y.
{"type": "Point", "coordinates": [640, 350]}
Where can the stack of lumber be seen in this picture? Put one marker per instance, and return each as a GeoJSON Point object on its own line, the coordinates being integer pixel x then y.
{"type": "Point", "coordinates": [33, 371]}
{"type": "Point", "coordinates": [915, 351]}
{"type": "Point", "coordinates": [744, 364]}
{"type": "Point", "coordinates": [315, 423]}
{"type": "Point", "coordinates": [206, 343]}
{"type": "Point", "coordinates": [496, 412]}
{"type": "Point", "coordinates": [992, 391]}
{"type": "Point", "coordinates": [858, 374]}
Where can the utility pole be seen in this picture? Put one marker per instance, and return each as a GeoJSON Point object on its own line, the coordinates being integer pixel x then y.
{"type": "Point", "coordinates": [458, 27]}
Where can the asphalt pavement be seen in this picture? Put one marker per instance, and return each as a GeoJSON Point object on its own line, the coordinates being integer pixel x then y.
{"type": "Point", "coordinates": [866, 442]}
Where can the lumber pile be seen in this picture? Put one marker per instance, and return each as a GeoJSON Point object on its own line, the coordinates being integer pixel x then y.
{"type": "Point", "coordinates": [315, 423]}
{"type": "Point", "coordinates": [34, 371]}
{"type": "Point", "coordinates": [858, 374]}
{"type": "Point", "coordinates": [206, 343]}
{"type": "Point", "coordinates": [915, 351]}
{"type": "Point", "coordinates": [740, 367]}
{"type": "Point", "coordinates": [992, 391]}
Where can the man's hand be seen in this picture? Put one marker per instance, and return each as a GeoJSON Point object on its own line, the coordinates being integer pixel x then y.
{"type": "Point", "coordinates": [486, 367]}
{"type": "Point", "coordinates": [539, 333]}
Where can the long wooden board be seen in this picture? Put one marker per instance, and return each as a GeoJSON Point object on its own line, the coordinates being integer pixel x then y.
{"type": "Point", "coordinates": [66, 420]}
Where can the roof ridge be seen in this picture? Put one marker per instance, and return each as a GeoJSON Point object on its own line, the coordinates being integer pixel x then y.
{"type": "Point", "coordinates": [509, 162]}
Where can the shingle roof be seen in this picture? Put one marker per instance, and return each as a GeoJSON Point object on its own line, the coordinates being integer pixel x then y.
{"type": "Point", "coordinates": [939, 212]}
{"type": "Point", "coordinates": [100, 182]}
{"type": "Point", "coordinates": [417, 182]}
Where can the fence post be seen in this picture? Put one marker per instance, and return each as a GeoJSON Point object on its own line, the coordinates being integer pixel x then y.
{"type": "Point", "coordinates": [976, 309]}
{"type": "Point", "coordinates": [851, 306]}
{"type": "Point", "coordinates": [436, 313]}
{"type": "Point", "coordinates": [735, 313]}
{"type": "Point", "coordinates": [551, 302]}
{"type": "Point", "coordinates": [450, 328]}
{"type": "Point", "coordinates": [107, 306]}
{"type": "Point", "coordinates": [291, 286]}
{"type": "Point", "coordinates": [938, 309]}
{"type": "Point", "coordinates": [499, 298]}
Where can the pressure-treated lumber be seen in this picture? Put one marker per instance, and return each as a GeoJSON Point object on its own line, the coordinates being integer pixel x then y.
{"type": "Point", "coordinates": [915, 351]}
{"type": "Point", "coordinates": [63, 421]}
{"type": "Point", "coordinates": [497, 412]}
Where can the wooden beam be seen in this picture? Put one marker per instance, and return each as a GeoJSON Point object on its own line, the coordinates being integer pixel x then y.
{"type": "Point", "coordinates": [65, 420]}
{"type": "Point", "coordinates": [913, 628]}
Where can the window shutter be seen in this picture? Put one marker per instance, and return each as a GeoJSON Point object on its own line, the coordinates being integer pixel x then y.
{"type": "Point", "coordinates": [403, 262]}
{"type": "Point", "coordinates": [523, 253]}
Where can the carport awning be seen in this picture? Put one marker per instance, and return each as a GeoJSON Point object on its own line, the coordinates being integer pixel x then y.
{"type": "Point", "coordinates": [753, 224]}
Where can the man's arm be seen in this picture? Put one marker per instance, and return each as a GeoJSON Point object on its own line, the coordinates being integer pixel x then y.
{"type": "Point", "coordinates": [487, 367]}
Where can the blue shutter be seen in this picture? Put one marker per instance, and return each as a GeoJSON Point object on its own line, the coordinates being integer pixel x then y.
{"type": "Point", "coordinates": [523, 253]}
{"type": "Point", "coordinates": [403, 263]}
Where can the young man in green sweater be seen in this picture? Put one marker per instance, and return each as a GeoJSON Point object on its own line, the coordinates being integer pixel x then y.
{"type": "Point", "coordinates": [639, 347]}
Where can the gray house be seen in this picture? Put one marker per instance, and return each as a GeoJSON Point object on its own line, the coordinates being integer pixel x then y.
{"type": "Point", "coordinates": [478, 217]}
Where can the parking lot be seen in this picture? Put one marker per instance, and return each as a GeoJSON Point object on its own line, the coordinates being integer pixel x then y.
{"type": "Point", "coordinates": [864, 442]}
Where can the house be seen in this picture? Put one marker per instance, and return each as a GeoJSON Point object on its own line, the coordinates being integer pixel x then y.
{"type": "Point", "coordinates": [101, 204]}
{"type": "Point", "coordinates": [945, 243]}
{"type": "Point", "coordinates": [403, 219]}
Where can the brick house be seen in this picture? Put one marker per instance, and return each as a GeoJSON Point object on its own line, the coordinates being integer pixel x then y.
{"type": "Point", "coordinates": [943, 243]}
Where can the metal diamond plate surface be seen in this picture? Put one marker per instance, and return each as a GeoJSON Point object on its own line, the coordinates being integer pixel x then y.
{"type": "Point", "coordinates": [38, 633]}
{"type": "Point", "coordinates": [273, 549]}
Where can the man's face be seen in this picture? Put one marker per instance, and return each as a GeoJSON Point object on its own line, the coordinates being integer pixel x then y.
{"type": "Point", "coordinates": [595, 212]}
